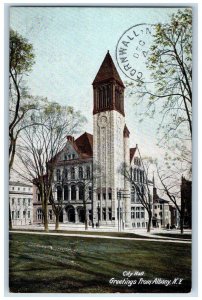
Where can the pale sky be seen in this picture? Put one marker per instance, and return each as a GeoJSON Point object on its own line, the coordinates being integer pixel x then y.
{"type": "Point", "coordinates": [70, 45]}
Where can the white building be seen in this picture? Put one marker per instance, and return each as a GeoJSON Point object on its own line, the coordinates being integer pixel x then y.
{"type": "Point", "coordinates": [109, 198]}
{"type": "Point", "coordinates": [21, 203]}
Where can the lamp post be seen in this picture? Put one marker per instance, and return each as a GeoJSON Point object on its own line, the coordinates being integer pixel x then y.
{"type": "Point", "coordinates": [98, 214]}
{"type": "Point", "coordinates": [121, 194]}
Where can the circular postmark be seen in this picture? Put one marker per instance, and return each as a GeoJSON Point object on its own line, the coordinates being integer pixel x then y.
{"type": "Point", "coordinates": [132, 50]}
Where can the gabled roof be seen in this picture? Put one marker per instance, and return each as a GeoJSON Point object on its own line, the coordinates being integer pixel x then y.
{"type": "Point", "coordinates": [84, 143]}
{"type": "Point", "coordinates": [132, 153]}
{"type": "Point", "coordinates": [107, 71]}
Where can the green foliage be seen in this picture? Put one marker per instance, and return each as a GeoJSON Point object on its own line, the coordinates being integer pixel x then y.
{"type": "Point", "coordinates": [21, 57]}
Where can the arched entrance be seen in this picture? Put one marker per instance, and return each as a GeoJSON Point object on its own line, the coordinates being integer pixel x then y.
{"type": "Point", "coordinates": [81, 214]}
{"type": "Point", "coordinates": [70, 214]}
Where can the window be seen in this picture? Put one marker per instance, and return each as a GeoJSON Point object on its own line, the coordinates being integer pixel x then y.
{"type": "Point", "coordinates": [80, 172]}
{"type": "Point", "coordinates": [98, 196]}
{"type": "Point", "coordinates": [104, 213]}
{"type": "Point", "coordinates": [66, 192]}
{"type": "Point", "coordinates": [88, 172]}
{"type": "Point", "coordinates": [18, 189]}
{"type": "Point", "coordinates": [110, 196]}
{"type": "Point", "coordinates": [142, 214]}
{"type": "Point", "coordinates": [18, 201]}
{"type": "Point", "coordinates": [160, 206]}
{"type": "Point", "coordinates": [28, 214]}
{"type": "Point", "coordinates": [132, 212]}
{"type": "Point", "coordinates": [138, 224]}
{"type": "Point", "coordinates": [29, 202]}
{"type": "Point", "coordinates": [12, 215]}
{"type": "Point", "coordinates": [59, 193]}
{"type": "Point", "coordinates": [24, 213]}
{"type": "Point", "coordinates": [160, 214]}
{"type": "Point", "coordinates": [104, 196]}
{"type": "Point", "coordinates": [81, 192]}
{"type": "Point", "coordinates": [58, 175]}
{"type": "Point", "coordinates": [23, 189]}
{"type": "Point", "coordinates": [24, 201]}
{"type": "Point", "coordinates": [65, 174]}
{"type": "Point", "coordinates": [39, 197]}
{"type": "Point", "coordinates": [18, 214]}
{"type": "Point", "coordinates": [13, 199]}
{"type": "Point", "coordinates": [73, 192]}
{"type": "Point", "coordinates": [72, 173]}
{"type": "Point", "coordinates": [73, 156]}
{"type": "Point", "coordinates": [135, 174]}
{"type": "Point", "coordinates": [65, 157]}
{"type": "Point", "coordinates": [39, 214]}
{"type": "Point", "coordinates": [155, 207]}
{"type": "Point", "coordinates": [143, 224]}
{"type": "Point", "coordinates": [13, 188]}
{"type": "Point", "coordinates": [50, 214]}
{"type": "Point", "coordinates": [90, 193]}
{"type": "Point", "coordinates": [110, 213]}
{"type": "Point", "coordinates": [69, 156]}
{"type": "Point", "coordinates": [137, 215]}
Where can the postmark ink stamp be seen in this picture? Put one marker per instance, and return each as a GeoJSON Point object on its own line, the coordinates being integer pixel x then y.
{"type": "Point", "coordinates": [132, 50]}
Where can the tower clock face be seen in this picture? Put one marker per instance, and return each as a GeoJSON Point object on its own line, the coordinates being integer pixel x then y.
{"type": "Point", "coordinates": [102, 121]}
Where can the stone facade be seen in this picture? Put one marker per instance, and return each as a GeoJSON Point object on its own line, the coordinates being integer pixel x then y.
{"type": "Point", "coordinates": [21, 206]}
{"type": "Point", "coordinates": [89, 166]}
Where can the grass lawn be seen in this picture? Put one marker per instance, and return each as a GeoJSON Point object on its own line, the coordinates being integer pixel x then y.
{"type": "Point", "coordinates": [185, 236]}
{"type": "Point", "coordinates": [43, 264]}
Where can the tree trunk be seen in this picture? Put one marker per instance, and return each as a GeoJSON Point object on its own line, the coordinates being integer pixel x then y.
{"type": "Point", "coordinates": [56, 221]}
{"type": "Point", "coordinates": [149, 221]}
{"type": "Point", "coordinates": [46, 217]}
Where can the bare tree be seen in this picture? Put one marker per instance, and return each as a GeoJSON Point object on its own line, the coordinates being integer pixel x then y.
{"type": "Point", "coordinates": [171, 182]}
{"type": "Point", "coordinates": [40, 144]}
{"type": "Point", "coordinates": [141, 187]}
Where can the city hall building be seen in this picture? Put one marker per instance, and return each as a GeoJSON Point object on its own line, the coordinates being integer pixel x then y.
{"type": "Point", "coordinates": [89, 166]}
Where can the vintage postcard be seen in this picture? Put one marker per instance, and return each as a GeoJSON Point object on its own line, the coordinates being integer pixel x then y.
{"type": "Point", "coordinates": [100, 149]}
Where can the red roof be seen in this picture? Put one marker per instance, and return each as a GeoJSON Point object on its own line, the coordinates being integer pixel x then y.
{"type": "Point", "coordinates": [84, 143]}
{"type": "Point", "coordinates": [107, 71]}
{"type": "Point", "coordinates": [132, 153]}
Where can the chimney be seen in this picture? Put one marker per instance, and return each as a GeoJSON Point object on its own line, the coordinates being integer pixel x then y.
{"type": "Point", "coordinates": [70, 138]}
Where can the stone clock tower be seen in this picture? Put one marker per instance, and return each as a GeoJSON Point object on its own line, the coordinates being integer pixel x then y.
{"type": "Point", "coordinates": [110, 145]}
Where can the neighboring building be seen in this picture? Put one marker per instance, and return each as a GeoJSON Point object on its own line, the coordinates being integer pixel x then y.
{"type": "Point", "coordinates": [186, 201]}
{"type": "Point", "coordinates": [161, 211]}
{"type": "Point", "coordinates": [108, 196]}
{"type": "Point", "coordinates": [21, 203]}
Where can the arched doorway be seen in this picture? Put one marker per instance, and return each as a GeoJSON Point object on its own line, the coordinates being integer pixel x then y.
{"type": "Point", "coordinates": [81, 214]}
{"type": "Point", "coordinates": [70, 214]}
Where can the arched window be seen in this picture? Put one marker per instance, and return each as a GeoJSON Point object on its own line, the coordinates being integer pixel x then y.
{"type": "Point", "coordinates": [90, 193]}
{"type": "Point", "coordinates": [135, 175]}
{"type": "Point", "coordinates": [72, 173]}
{"type": "Point", "coordinates": [65, 174]}
{"type": "Point", "coordinates": [65, 192]}
{"type": "Point", "coordinates": [80, 172]}
{"type": "Point", "coordinates": [88, 172]}
{"type": "Point", "coordinates": [58, 175]}
{"type": "Point", "coordinates": [39, 214]}
{"type": "Point", "coordinates": [59, 193]}
{"type": "Point", "coordinates": [104, 96]}
{"type": "Point", "coordinates": [108, 96]}
{"type": "Point", "coordinates": [73, 192]}
{"type": "Point", "coordinates": [81, 192]}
